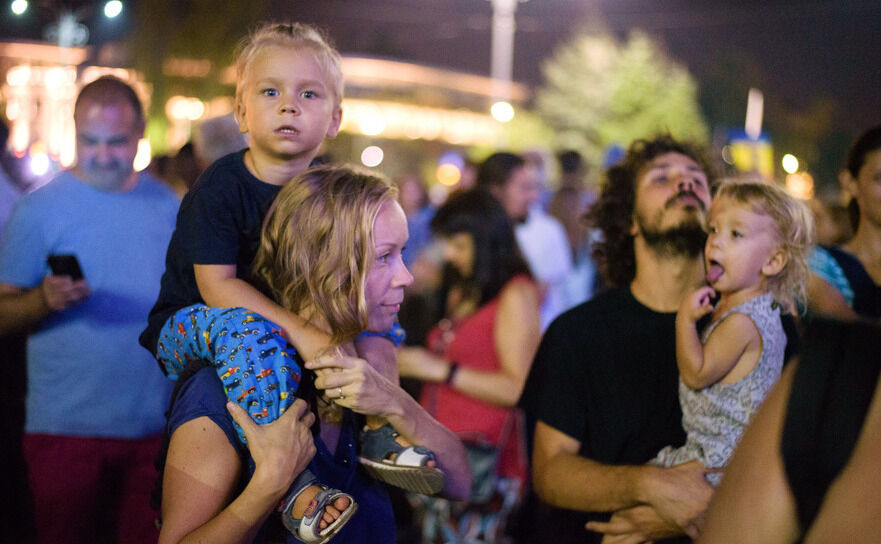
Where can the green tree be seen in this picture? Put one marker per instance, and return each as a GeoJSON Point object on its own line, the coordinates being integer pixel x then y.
{"type": "Point", "coordinates": [188, 29]}
{"type": "Point", "coordinates": [599, 92]}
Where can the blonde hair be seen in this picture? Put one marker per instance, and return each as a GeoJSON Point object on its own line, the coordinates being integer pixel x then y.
{"type": "Point", "coordinates": [317, 245]}
{"type": "Point", "coordinates": [289, 35]}
{"type": "Point", "coordinates": [795, 232]}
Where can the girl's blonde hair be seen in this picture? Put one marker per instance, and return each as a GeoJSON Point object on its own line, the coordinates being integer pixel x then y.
{"type": "Point", "coordinates": [795, 232]}
{"type": "Point", "coordinates": [290, 35]}
{"type": "Point", "coordinates": [317, 244]}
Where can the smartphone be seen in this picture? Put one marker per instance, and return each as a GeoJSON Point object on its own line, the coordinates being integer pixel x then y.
{"type": "Point", "coordinates": [65, 265]}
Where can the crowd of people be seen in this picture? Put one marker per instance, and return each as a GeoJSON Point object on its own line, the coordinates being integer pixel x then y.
{"type": "Point", "coordinates": [228, 367]}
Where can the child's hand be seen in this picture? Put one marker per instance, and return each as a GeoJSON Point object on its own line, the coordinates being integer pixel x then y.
{"type": "Point", "coordinates": [697, 304]}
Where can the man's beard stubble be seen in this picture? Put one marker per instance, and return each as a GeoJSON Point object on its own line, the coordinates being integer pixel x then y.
{"type": "Point", "coordinates": [687, 239]}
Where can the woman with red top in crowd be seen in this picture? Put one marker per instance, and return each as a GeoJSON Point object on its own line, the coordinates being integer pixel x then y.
{"type": "Point", "coordinates": [479, 355]}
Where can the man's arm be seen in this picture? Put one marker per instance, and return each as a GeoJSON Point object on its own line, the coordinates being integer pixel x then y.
{"type": "Point", "coordinates": [21, 308]}
{"type": "Point", "coordinates": [565, 479]}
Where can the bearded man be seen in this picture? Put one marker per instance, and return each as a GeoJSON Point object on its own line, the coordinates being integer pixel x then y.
{"type": "Point", "coordinates": [603, 387]}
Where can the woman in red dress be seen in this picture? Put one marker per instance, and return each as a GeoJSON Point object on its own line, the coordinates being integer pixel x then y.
{"type": "Point", "coordinates": [480, 353]}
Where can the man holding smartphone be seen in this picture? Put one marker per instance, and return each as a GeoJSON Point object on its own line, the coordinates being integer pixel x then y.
{"type": "Point", "coordinates": [95, 400]}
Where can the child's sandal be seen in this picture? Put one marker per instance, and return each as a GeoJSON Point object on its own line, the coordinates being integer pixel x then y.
{"type": "Point", "coordinates": [401, 466]}
{"type": "Point", "coordinates": [306, 528]}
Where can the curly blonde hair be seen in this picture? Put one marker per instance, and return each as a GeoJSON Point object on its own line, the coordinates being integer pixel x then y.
{"type": "Point", "coordinates": [317, 244]}
{"type": "Point", "coordinates": [289, 35]}
{"type": "Point", "coordinates": [795, 232]}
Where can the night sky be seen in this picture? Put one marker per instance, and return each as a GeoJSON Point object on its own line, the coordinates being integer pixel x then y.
{"type": "Point", "coordinates": [802, 51]}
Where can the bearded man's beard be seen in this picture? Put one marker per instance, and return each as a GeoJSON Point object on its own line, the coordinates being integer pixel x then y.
{"type": "Point", "coordinates": [687, 239]}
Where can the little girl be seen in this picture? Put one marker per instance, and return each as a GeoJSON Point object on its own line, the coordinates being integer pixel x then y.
{"type": "Point", "coordinates": [756, 259]}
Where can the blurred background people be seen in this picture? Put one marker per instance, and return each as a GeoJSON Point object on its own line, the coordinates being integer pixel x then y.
{"type": "Point", "coordinates": [568, 205]}
{"type": "Point", "coordinates": [477, 360]}
{"type": "Point", "coordinates": [95, 400]}
{"type": "Point", "coordinates": [849, 275]}
{"type": "Point", "coordinates": [11, 187]}
{"type": "Point", "coordinates": [540, 237]}
{"type": "Point", "coordinates": [413, 197]}
{"type": "Point", "coordinates": [215, 138]}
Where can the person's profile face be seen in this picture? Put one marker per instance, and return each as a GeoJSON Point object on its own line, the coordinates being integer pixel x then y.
{"type": "Point", "coordinates": [107, 138]}
{"type": "Point", "coordinates": [388, 276]}
{"type": "Point", "coordinates": [459, 253]}
{"type": "Point", "coordinates": [519, 193]}
{"type": "Point", "coordinates": [867, 188]}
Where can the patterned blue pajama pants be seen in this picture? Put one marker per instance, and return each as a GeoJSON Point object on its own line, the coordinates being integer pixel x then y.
{"type": "Point", "coordinates": [253, 360]}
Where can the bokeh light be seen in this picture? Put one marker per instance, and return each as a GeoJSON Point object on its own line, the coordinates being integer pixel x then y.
{"type": "Point", "coordinates": [800, 185]}
{"type": "Point", "coordinates": [112, 9]}
{"type": "Point", "coordinates": [789, 163]}
{"type": "Point", "coordinates": [502, 112]}
{"type": "Point", "coordinates": [18, 7]}
{"type": "Point", "coordinates": [371, 156]}
{"type": "Point", "coordinates": [143, 156]}
{"type": "Point", "coordinates": [448, 174]}
{"type": "Point", "coordinates": [39, 159]}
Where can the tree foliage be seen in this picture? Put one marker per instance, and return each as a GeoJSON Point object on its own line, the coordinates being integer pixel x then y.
{"type": "Point", "coordinates": [599, 92]}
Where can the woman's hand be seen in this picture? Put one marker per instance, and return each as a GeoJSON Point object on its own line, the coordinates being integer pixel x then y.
{"type": "Point", "coordinates": [352, 383]}
{"type": "Point", "coordinates": [280, 449]}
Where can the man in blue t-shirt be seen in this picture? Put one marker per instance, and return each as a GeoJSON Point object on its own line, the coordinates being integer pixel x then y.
{"type": "Point", "coordinates": [95, 400]}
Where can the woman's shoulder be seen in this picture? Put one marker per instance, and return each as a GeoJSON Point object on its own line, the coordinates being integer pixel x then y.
{"type": "Point", "coordinates": [521, 283]}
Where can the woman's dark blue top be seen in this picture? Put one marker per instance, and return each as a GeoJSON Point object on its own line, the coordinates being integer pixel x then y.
{"type": "Point", "coordinates": [203, 395]}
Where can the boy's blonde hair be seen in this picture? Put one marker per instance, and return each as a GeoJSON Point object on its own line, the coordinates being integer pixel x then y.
{"type": "Point", "coordinates": [317, 245]}
{"type": "Point", "coordinates": [290, 35]}
{"type": "Point", "coordinates": [795, 232]}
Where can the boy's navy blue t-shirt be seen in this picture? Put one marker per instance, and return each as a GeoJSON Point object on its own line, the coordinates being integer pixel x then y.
{"type": "Point", "coordinates": [219, 222]}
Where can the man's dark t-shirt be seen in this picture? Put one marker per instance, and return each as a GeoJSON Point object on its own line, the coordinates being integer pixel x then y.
{"type": "Point", "coordinates": [605, 374]}
{"type": "Point", "coordinates": [219, 222]}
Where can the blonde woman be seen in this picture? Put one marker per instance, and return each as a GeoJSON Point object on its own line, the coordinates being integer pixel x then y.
{"type": "Point", "coordinates": [331, 254]}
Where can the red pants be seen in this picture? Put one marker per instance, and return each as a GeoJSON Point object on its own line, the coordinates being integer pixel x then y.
{"type": "Point", "coordinates": [92, 490]}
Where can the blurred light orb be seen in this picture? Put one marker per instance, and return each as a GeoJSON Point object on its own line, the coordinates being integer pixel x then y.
{"type": "Point", "coordinates": [800, 185]}
{"type": "Point", "coordinates": [789, 163]}
{"type": "Point", "coordinates": [18, 7]}
{"type": "Point", "coordinates": [18, 75]}
{"type": "Point", "coordinates": [502, 111]}
{"type": "Point", "coordinates": [448, 174]}
{"type": "Point", "coordinates": [112, 9]}
{"type": "Point", "coordinates": [184, 108]}
{"type": "Point", "coordinates": [39, 164]}
{"type": "Point", "coordinates": [372, 125]}
{"type": "Point", "coordinates": [143, 156]}
{"type": "Point", "coordinates": [452, 157]}
{"type": "Point", "coordinates": [371, 156]}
